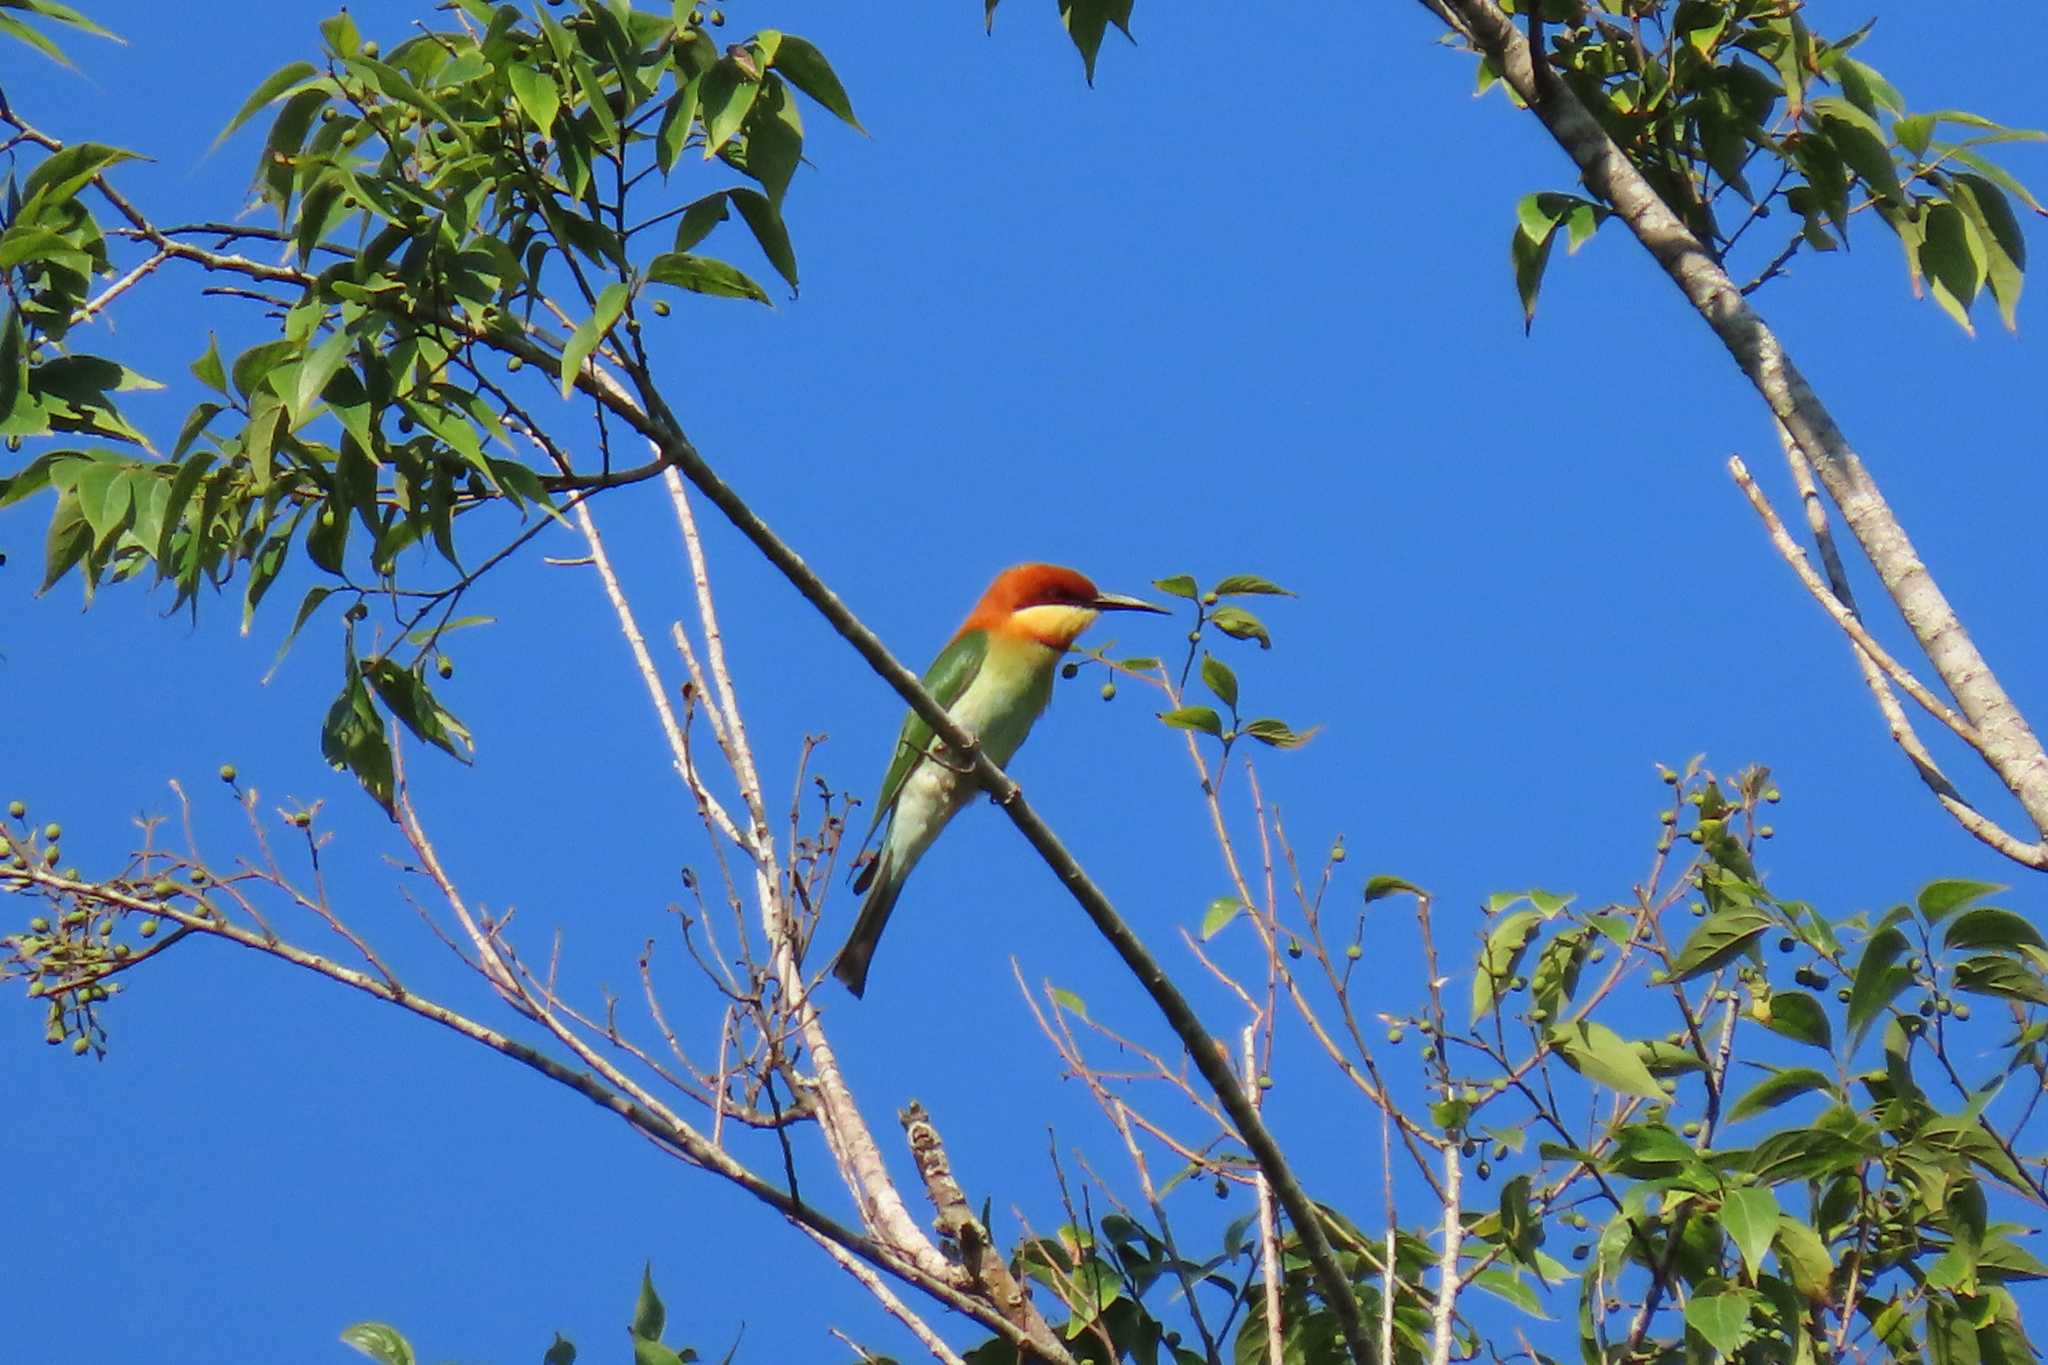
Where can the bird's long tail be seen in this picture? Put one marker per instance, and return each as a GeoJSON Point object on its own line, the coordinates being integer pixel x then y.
{"type": "Point", "coordinates": [884, 885]}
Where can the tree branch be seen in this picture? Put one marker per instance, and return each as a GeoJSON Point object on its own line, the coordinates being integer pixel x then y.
{"type": "Point", "coordinates": [2010, 747]}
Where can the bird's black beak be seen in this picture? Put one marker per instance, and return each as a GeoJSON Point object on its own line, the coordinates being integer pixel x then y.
{"type": "Point", "coordinates": [1110, 601]}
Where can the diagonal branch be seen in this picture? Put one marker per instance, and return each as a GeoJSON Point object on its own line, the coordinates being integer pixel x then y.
{"type": "Point", "coordinates": [2009, 745]}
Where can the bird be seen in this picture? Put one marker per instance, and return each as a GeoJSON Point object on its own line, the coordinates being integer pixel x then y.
{"type": "Point", "coordinates": [994, 677]}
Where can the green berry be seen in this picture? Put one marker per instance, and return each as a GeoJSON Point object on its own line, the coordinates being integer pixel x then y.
{"type": "Point", "coordinates": [79, 1045]}
{"type": "Point", "coordinates": [445, 666]}
{"type": "Point", "coordinates": [1294, 948]}
{"type": "Point", "coordinates": [1109, 691]}
{"type": "Point", "coordinates": [1070, 670]}
{"type": "Point", "coordinates": [1265, 1082]}
{"type": "Point", "coordinates": [53, 831]}
{"type": "Point", "coordinates": [1962, 1010]}
{"type": "Point", "coordinates": [661, 308]}
{"type": "Point", "coordinates": [228, 773]}
{"type": "Point", "coordinates": [147, 928]}
{"type": "Point", "coordinates": [39, 925]}
{"type": "Point", "coordinates": [1396, 1034]}
{"type": "Point", "coordinates": [1354, 952]}
{"type": "Point", "coordinates": [17, 809]}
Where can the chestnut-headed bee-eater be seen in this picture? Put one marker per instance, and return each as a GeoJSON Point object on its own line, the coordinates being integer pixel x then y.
{"type": "Point", "coordinates": [995, 678]}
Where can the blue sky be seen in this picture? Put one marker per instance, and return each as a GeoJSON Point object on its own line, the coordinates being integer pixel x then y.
{"type": "Point", "coordinates": [1242, 307]}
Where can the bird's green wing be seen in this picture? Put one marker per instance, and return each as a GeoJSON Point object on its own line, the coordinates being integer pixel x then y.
{"type": "Point", "coordinates": [946, 679]}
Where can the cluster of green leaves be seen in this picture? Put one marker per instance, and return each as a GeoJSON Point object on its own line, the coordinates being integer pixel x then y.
{"type": "Point", "coordinates": [1114, 1276]}
{"type": "Point", "coordinates": [444, 204]}
{"type": "Point", "coordinates": [386, 1345]}
{"type": "Point", "coordinates": [1087, 23]}
{"type": "Point", "coordinates": [1825, 1155]}
{"type": "Point", "coordinates": [1865, 1220]}
{"type": "Point", "coordinates": [1732, 109]}
{"type": "Point", "coordinates": [62, 16]}
{"type": "Point", "coordinates": [1236, 622]}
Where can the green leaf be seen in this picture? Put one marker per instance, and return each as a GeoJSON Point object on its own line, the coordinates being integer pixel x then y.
{"type": "Point", "coordinates": [1599, 1054]}
{"type": "Point", "coordinates": [66, 542]}
{"type": "Point", "coordinates": [1938, 900]}
{"type": "Point", "coordinates": [1180, 585]}
{"type": "Point", "coordinates": [1751, 1218]}
{"type": "Point", "coordinates": [59, 177]}
{"type": "Point", "coordinates": [1200, 718]}
{"type": "Point", "coordinates": [704, 275]}
{"type": "Point", "coordinates": [1718, 938]}
{"type": "Point", "coordinates": [307, 606]}
{"type": "Point", "coordinates": [207, 369]}
{"type": "Point", "coordinates": [314, 372]}
{"type": "Point", "coordinates": [1267, 730]}
{"type": "Point", "coordinates": [1862, 143]}
{"type": "Point", "coordinates": [1069, 1001]}
{"type": "Point", "coordinates": [1221, 911]}
{"type": "Point", "coordinates": [699, 218]}
{"type": "Point", "coordinates": [537, 94]}
{"type": "Point", "coordinates": [1990, 927]}
{"type": "Point", "coordinates": [1381, 886]}
{"type": "Point", "coordinates": [649, 1317]}
{"type": "Point", "coordinates": [1803, 1255]}
{"type": "Point", "coordinates": [274, 87]}
{"type": "Point", "coordinates": [1779, 1087]}
{"type": "Point", "coordinates": [1528, 257]}
{"type": "Point", "coordinates": [1218, 678]}
{"type": "Point", "coordinates": [1506, 1285]}
{"type": "Point", "coordinates": [728, 95]}
{"type": "Point", "coordinates": [1798, 1016]}
{"type": "Point", "coordinates": [1246, 584]}
{"type": "Point", "coordinates": [764, 220]}
{"type": "Point", "coordinates": [1954, 260]}
{"type": "Point", "coordinates": [804, 67]}
{"type": "Point", "coordinates": [1086, 22]}
{"type": "Point", "coordinates": [409, 698]}
{"type": "Point", "coordinates": [1998, 232]}
{"type": "Point", "coordinates": [585, 340]}
{"type": "Point", "coordinates": [380, 1342]}
{"type": "Point", "coordinates": [2000, 976]}
{"type": "Point", "coordinates": [1509, 938]}
{"type": "Point", "coordinates": [1723, 1319]}
{"type": "Point", "coordinates": [1240, 624]}
{"type": "Point", "coordinates": [563, 1352]}
{"type": "Point", "coordinates": [654, 1353]}
{"type": "Point", "coordinates": [1878, 981]}
{"type": "Point", "coordinates": [13, 363]}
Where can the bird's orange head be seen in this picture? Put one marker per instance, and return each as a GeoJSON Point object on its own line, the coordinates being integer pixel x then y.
{"type": "Point", "coordinates": [1045, 603]}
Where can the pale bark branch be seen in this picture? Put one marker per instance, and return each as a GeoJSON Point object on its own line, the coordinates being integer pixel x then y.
{"type": "Point", "coordinates": [2009, 745]}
